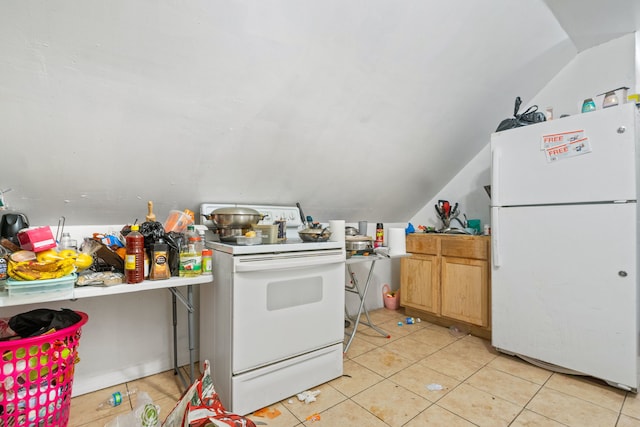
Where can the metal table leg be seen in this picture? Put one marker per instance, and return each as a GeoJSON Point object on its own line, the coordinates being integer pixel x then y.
{"type": "Point", "coordinates": [362, 307]}
{"type": "Point", "coordinates": [188, 303]}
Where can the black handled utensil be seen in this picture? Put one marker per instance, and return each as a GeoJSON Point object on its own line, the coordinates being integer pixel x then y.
{"type": "Point", "coordinates": [302, 217]}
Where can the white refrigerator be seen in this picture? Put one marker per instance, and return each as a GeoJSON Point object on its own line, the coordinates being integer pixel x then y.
{"type": "Point", "coordinates": [565, 244]}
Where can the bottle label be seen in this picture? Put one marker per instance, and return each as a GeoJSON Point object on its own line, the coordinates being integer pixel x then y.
{"type": "Point", "coordinates": [117, 398]}
{"type": "Point", "coordinates": [130, 262]}
{"type": "Point", "coordinates": [207, 264]}
{"type": "Point", "coordinates": [190, 264]}
{"type": "Point", "coordinates": [3, 268]}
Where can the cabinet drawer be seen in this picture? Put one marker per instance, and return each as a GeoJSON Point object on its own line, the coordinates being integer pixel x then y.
{"type": "Point", "coordinates": [457, 246]}
{"type": "Point", "coordinates": [422, 244]}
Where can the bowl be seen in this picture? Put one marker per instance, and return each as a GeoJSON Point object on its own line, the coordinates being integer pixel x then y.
{"type": "Point", "coordinates": [314, 234]}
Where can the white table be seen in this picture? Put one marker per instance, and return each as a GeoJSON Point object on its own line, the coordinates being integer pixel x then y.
{"type": "Point", "coordinates": [354, 288]}
{"type": "Point", "coordinates": [98, 291]}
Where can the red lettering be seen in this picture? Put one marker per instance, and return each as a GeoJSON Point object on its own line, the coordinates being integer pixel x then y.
{"type": "Point", "coordinates": [553, 139]}
{"type": "Point", "coordinates": [558, 150]}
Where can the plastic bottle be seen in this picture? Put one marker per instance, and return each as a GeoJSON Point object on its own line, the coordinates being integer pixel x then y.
{"type": "Point", "coordinates": [134, 259]}
{"type": "Point", "coordinates": [3, 264]}
{"type": "Point", "coordinates": [191, 254]}
{"type": "Point", "coordinates": [588, 105]}
{"type": "Point", "coordinates": [379, 235]}
{"type": "Point", "coordinates": [66, 242]}
{"type": "Point", "coordinates": [207, 261]}
{"type": "Point", "coordinates": [116, 399]}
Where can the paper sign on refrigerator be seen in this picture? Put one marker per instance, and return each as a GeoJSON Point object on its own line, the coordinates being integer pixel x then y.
{"type": "Point", "coordinates": [564, 151]}
{"type": "Point", "coordinates": [554, 139]}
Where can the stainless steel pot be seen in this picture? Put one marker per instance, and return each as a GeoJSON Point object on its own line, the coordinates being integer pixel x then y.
{"type": "Point", "coordinates": [358, 243]}
{"type": "Point", "coordinates": [314, 234]}
{"type": "Point", "coordinates": [234, 217]}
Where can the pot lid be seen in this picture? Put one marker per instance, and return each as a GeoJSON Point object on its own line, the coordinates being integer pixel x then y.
{"type": "Point", "coordinates": [235, 211]}
{"type": "Point", "coordinates": [359, 238]}
{"type": "Point", "coordinates": [310, 230]}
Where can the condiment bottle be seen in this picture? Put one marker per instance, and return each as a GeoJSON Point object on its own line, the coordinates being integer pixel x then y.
{"type": "Point", "coordinates": [379, 235]}
{"type": "Point", "coordinates": [134, 258]}
{"type": "Point", "coordinates": [3, 264]}
{"type": "Point", "coordinates": [191, 254]}
{"type": "Point", "coordinates": [207, 261]}
{"type": "Point", "coordinates": [159, 261]}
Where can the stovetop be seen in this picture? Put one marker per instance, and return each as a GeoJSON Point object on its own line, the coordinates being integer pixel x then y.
{"type": "Point", "coordinates": [291, 245]}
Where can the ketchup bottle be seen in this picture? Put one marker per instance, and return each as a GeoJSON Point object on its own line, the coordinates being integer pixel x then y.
{"type": "Point", "coordinates": [134, 259]}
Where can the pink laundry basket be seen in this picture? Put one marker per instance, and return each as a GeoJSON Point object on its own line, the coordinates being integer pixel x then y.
{"type": "Point", "coordinates": [36, 378]}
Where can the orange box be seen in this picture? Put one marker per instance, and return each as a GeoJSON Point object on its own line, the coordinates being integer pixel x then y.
{"type": "Point", "coordinates": [36, 239]}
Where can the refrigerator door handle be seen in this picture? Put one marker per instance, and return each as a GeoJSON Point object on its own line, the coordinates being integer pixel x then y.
{"type": "Point", "coordinates": [495, 177]}
{"type": "Point", "coordinates": [495, 238]}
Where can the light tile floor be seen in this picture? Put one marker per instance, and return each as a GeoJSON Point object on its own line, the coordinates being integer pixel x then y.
{"type": "Point", "coordinates": [386, 383]}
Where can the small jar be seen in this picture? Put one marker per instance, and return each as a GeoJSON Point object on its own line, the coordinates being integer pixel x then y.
{"type": "Point", "coordinates": [207, 260]}
{"type": "Point", "coordinates": [588, 105]}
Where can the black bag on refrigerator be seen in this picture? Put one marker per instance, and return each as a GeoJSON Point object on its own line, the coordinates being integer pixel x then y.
{"type": "Point", "coordinates": [529, 117]}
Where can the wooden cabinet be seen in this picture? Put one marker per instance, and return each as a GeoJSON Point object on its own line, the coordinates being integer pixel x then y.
{"type": "Point", "coordinates": [447, 277]}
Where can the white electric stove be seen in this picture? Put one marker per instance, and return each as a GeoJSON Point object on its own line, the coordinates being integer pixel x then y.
{"type": "Point", "coordinates": [272, 324]}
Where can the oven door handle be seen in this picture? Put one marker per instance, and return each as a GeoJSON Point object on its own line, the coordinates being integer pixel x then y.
{"type": "Point", "coordinates": [276, 263]}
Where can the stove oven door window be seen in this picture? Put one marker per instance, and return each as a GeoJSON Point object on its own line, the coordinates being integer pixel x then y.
{"type": "Point", "coordinates": [285, 305]}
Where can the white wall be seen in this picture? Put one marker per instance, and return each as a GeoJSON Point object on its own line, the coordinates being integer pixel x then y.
{"type": "Point", "coordinates": [590, 73]}
{"type": "Point", "coordinates": [352, 108]}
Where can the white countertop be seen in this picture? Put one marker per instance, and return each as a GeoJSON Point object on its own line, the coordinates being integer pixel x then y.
{"type": "Point", "coordinates": [98, 291]}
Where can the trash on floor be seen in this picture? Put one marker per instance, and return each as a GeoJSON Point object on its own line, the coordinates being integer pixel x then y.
{"type": "Point", "coordinates": [434, 387]}
{"type": "Point", "coordinates": [410, 321]}
{"type": "Point", "coordinates": [308, 396]}
{"type": "Point", "coordinates": [267, 412]}
{"type": "Point", "coordinates": [144, 414]}
{"type": "Point", "coordinates": [200, 406]}
{"type": "Point", "coordinates": [116, 399]}
{"type": "Point", "coordinates": [458, 332]}
{"type": "Point", "coordinates": [313, 417]}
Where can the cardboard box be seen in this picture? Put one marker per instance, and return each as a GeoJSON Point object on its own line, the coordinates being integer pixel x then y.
{"type": "Point", "coordinates": [36, 239]}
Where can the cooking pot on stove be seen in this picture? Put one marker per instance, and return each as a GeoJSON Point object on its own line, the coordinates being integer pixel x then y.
{"type": "Point", "coordinates": [234, 217]}
{"type": "Point", "coordinates": [314, 234]}
{"type": "Point", "coordinates": [231, 222]}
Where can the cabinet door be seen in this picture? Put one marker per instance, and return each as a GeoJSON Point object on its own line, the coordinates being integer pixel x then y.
{"type": "Point", "coordinates": [465, 290]}
{"type": "Point", "coordinates": [420, 282]}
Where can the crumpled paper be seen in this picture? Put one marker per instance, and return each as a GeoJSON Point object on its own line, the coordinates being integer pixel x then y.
{"type": "Point", "coordinates": [308, 396]}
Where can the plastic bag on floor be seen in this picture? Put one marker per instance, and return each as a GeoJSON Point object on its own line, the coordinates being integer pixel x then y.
{"type": "Point", "coordinates": [201, 407]}
{"type": "Point", "coordinates": [145, 414]}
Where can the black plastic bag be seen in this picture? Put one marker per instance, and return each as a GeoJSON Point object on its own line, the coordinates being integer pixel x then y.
{"type": "Point", "coordinates": [37, 322]}
{"type": "Point", "coordinates": [529, 117]}
{"type": "Point", "coordinates": [175, 241]}
{"type": "Point", "coordinates": [152, 232]}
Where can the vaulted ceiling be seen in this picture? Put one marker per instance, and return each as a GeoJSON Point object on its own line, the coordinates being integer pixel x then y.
{"type": "Point", "coordinates": [358, 110]}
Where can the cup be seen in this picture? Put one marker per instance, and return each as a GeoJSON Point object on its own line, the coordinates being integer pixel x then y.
{"type": "Point", "coordinates": [337, 230]}
{"type": "Point", "coordinates": [177, 221]}
{"type": "Point", "coordinates": [362, 228]}
{"type": "Point", "coordinates": [475, 224]}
